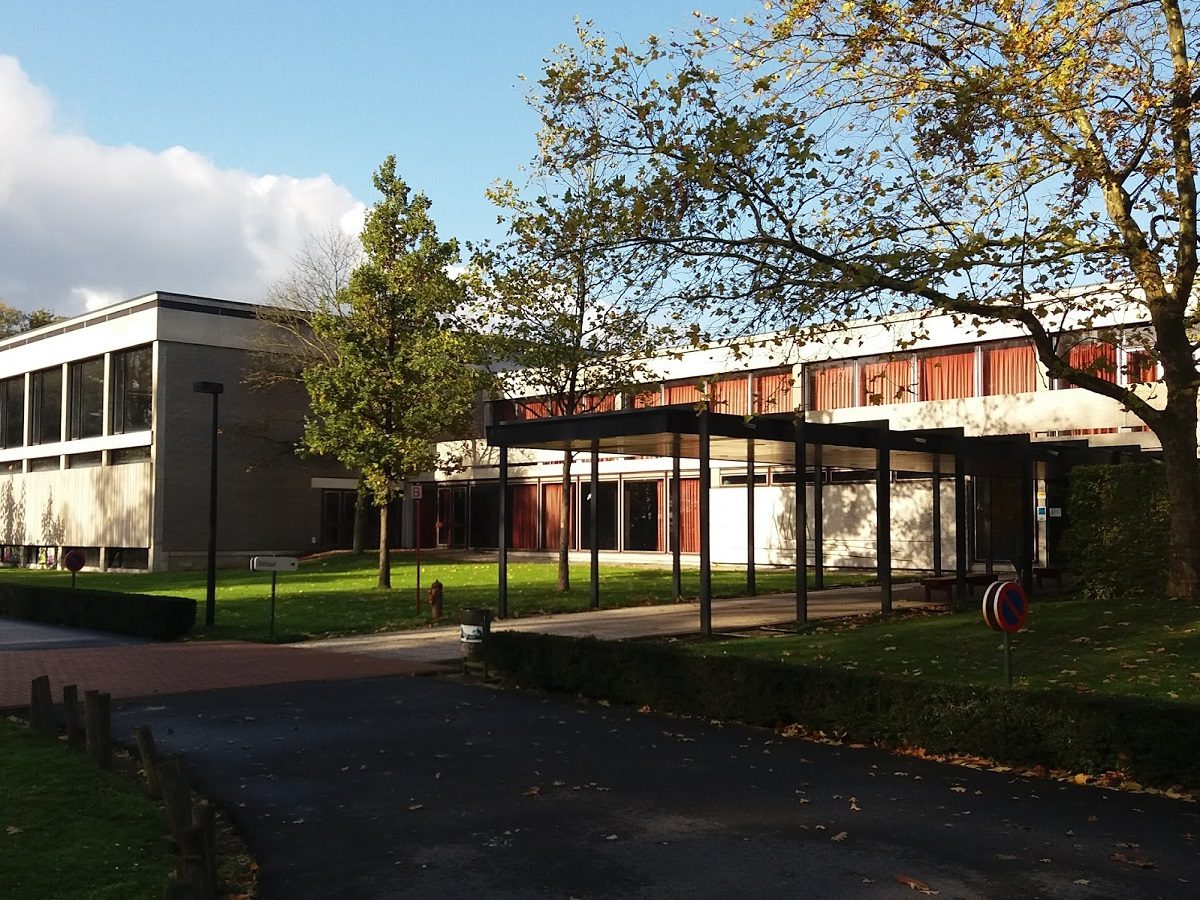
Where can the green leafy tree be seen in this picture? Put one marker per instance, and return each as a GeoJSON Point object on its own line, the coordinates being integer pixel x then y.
{"type": "Point", "coordinates": [555, 310]}
{"type": "Point", "coordinates": [15, 321]}
{"type": "Point", "coordinates": [400, 379]}
{"type": "Point", "coordinates": [1029, 164]}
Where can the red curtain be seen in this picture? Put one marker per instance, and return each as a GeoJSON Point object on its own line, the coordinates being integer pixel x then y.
{"type": "Point", "coordinates": [1140, 367]}
{"type": "Point", "coordinates": [524, 516]}
{"type": "Point", "coordinates": [947, 376]}
{"type": "Point", "coordinates": [647, 398]}
{"type": "Point", "coordinates": [681, 392]}
{"type": "Point", "coordinates": [1009, 370]}
{"type": "Point", "coordinates": [532, 409]}
{"type": "Point", "coordinates": [889, 381]}
{"type": "Point", "coordinates": [551, 510]}
{"type": "Point", "coordinates": [730, 396]}
{"type": "Point", "coordinates": [1096, 358]}
{"type": "Point", "coordinates": [598, 404]}
{"type": "Point", "coordinates": [832, 387]}
{"type": "Point", "coordinates": [772, 392]}
{"type": "Point", "coordinates": [689, 515]}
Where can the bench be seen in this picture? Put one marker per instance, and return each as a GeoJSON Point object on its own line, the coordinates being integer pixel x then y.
{"type": "Point", "coordinates": [944, 583]}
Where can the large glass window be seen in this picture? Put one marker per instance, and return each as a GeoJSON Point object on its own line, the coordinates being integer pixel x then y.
{"type": "Point", "coordinates": [643, 515]}
{"type": "Point", "coordinates": [832, 387]}
{"type": "Point", "coordinates": [46, 420]}
{"type": "Point", "coordinates": [12, 411]}
{"type": "Point", "coordinates": [87, 398]}
{"type": "Point", "coordinates": [947, 375]}
{"type": "Point", "coordinates": [606, 514]}
{"type": "Point", "coordinates": [132, 377]}
{"type": "Point", "coordinates": [1009, 369]}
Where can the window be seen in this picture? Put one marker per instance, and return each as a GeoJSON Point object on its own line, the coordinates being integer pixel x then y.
{"type": "Point", "coordinates": [650, 395]}
{"type": "Point", "coordinates": [129, 455]}
{"type": "Point", "coordinates": [87, 398]}
{"type": "Point", "coordinates": [643, 515]}
{"type": "Point", "coordinates": [947, 376]}
{"type": "Point", "coordinates": [886, 381]}
{"type": "Point", "coordinates": [772, 392]}
{"type": "Point", "coordinates": [132, 399]}
{"type": "Point", "coordinates": [45, 464]}
{"type": "Point", "coordinates": [1095, 358]}
{"type": "Point", "coordinates": [12, 412]}
{"type": "Point", "coordinates": [731, 396]}
{"type": "Point", "coordinates": [46, 394]}
{"type": "Point", "coordinates": [681, 392]}
{"type": "Point", "coordinates": [1140, 367]}
{"type": "Point", "coordinates": [84, 460]}
{"type": "Point", "coordinates": [833, 387]}
{"type": "Point", "coordinates": [128, 557]}
{"type": "Point", "coordinates": [1009, 369]}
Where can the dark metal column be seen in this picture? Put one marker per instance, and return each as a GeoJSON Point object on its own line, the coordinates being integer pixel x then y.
{"type": "Point", "coordinates": [801, 525]}
{"type": "Point", "coordinates": [751, 586]}
{"type": "Point", "coordinates": [960, 526]}
{"type": "Point", "coordinates": [594, 521]}
{"type": "Point", "coordinates": [705, 536]}
{"type": "Point", "coordinates": [676, 567]}
{"type": "Point", "coordinates": [937, 515]}
{"type": "Point", "coordinates": [883, 519]}
{"type": "Point", "coordinates": [818, 518]}
{"type": "Point", "coordinates": [502, 600]}
{"type": "Point", "coordinates": [1028, 550]}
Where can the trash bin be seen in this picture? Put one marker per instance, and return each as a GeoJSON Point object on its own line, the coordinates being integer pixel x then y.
{"type": "Point", "coordinates": [475, 624]}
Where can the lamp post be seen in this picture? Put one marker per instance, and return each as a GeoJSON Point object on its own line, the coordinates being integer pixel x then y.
{"type": "Point", "coordinates": [215, 388]}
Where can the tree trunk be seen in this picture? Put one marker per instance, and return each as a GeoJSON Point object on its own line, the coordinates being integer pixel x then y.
{"type": "Point", "coordinates": [1178, 436]}
{"type": "Point", "coordinates": [385, 559]}
{"type": "Point", "coordinates": [564, 528]}
{"type": "Point", "coordinates": [361, 506]}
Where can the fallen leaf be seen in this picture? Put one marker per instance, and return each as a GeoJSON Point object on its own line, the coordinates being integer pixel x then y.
{"type": "Point", "coordinates": [534, 791]}
{"type": "Point", "coordinates": [916, 885]}
{"type": "Point", "coordinates": [1081, 881]}
{"type": "Point", "coordinates": [13, 829]}
{"type": "Point", "coordinates": [414, 807]}
{"type": "Point", "coordinates": [840, 836]}
{"type": "Point", "coordinates": [959, 789]}
{"type": "Point", "coordinates": [1005, 856]}
{"type": "Point", "coordinates": [1140, 861]}
{"type": "Point", "coordinates": [611, 837]}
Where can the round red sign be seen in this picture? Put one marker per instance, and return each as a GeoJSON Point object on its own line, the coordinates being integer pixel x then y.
{"type": "Point", "coordinates": [74, 560]}
{"type": "Point", "coordinates": [1005, 606]}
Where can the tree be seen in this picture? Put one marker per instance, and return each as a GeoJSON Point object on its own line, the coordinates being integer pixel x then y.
{"type": "Point", "coordinates": [560, 329]}
{"type": "Point", "coordinates": [320, 273]}
{"type": "Point", "coordinates": [400, 379]}
{"type": "Point", "coordinates": [15, 321]}
{"type": "Point", "coordinates": [1029, 164]}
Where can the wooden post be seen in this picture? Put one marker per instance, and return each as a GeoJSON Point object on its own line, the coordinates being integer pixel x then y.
{"type": "Point", "coordinates": [150, 759]}
{"type": "Point", "coordinates": [195, 867]}
{"type": "Point", "coordinates": [206, 818]}
{"type": "Point", "coordinates": [41, 706]}
{"type": "Point", "coordinates": [176, 797]}
{"type": "Point", "coordinates": [71, 710]}
{"type": "Point", "coordinates": [98, 715]}
{"type": "Point", "coordinates": [179, 889]}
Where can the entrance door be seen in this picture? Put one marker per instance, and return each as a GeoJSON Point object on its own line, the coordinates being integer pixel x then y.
{"type": "Point", "coordinates": [337, 519]}
{"type": "Point", "coordinates": [452, 515]}
{"type": "Point", "coordinates": [997, 518]}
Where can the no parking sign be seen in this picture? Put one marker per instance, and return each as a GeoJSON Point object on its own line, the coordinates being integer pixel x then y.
{"type": "Point", "coordinates": [1005, 606]}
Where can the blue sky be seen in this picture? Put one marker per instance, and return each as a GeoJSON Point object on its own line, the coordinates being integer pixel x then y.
{"type": "Point", "coordinates": [181, 146]}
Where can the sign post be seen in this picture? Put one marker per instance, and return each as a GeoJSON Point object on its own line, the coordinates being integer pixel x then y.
{"type": "Point", "coordinates": [274, 565]}
{"type": "Point", "coordinates": [1005, 608]}
{"type": "Point", "coordinates": [416, 495]}
{"type": "Point", "coordinates": [74, 560]}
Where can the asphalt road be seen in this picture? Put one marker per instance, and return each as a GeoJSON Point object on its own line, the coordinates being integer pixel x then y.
{"type": "Point", "coordinates": [432, 788]}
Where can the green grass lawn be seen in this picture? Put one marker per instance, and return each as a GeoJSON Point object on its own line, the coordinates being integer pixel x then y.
{"type": "Point", "coordinates": [1146, 649]}
{"type": "Point", "coordinates": [336, 594]}
{"type": "Point", "coordinates": [69, 830]}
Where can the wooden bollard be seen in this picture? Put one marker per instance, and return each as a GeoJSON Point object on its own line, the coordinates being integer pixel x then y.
{"type": "Point", "coordinates": [172, 782]}
{"type": "Point", "coordinates": [71, 711]}
{"type": "Point", "coordinates": [144, 738]}
{"type": "Point", "coordinates": [206, 818]}
{"type": "Point", "coordinates": [41, 706]}
{"type": "Point", "coordinates": [97, 710]}
{"type": "Point", "coordinates": [195, 868]}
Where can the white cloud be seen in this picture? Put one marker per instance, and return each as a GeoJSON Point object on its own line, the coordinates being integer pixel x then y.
{"type": "Point", "coordinates": [82, 223]}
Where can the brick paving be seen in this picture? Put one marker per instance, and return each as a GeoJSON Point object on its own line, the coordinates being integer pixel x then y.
{"type": "Point", "coordinates": [146, 669]}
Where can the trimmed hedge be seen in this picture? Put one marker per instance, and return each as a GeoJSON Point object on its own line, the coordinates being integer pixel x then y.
{"type": "Point", "coordinates": [144, 615]}
{"type": "Point", "coordinates": [1152, 742]}
{"type": "Point", "coordinates": [1117, 541]}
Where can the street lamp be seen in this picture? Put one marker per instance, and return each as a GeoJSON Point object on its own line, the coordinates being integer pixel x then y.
{"type": "Point", "coordinates": [215, 388]}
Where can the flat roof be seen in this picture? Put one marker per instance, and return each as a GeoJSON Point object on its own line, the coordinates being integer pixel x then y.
{"type": "Point", "coordinates": [657, 431]}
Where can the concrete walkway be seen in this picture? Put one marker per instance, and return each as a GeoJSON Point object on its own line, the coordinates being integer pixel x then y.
{"type": "Point", "coordinates": [442, 643]}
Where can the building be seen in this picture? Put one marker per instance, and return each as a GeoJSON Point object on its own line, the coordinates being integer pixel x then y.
{"type": "Point", "coordinates": [104, 446]}
{"type": "Point", "coordinates": [909, 372]}
{"type": "Point", "coordinates": [105, 443]}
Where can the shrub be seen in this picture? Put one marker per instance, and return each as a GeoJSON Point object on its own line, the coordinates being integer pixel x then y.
{"type": "Point", "coordinates": [144, 615]}
{"type": "Point", "coordinates": [1117, 540]}
{"type": "Point", "coordinates": [1062, 729]}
